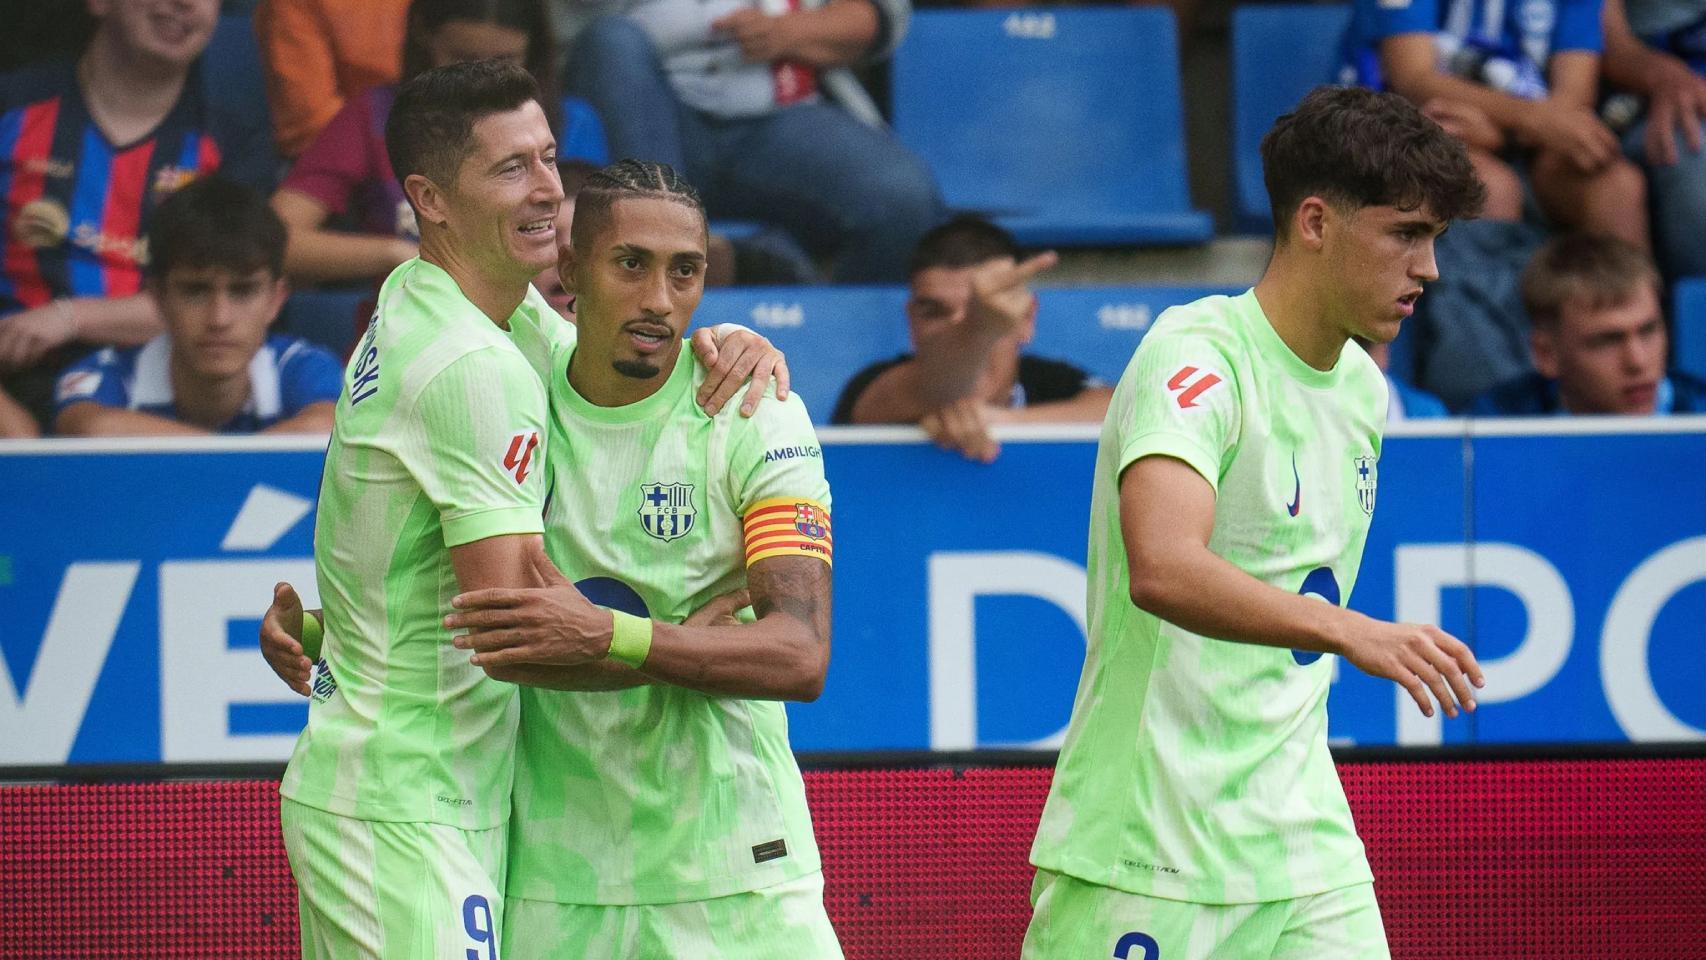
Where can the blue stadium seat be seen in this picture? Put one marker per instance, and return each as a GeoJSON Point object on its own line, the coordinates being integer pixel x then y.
{"type": "Point", "coordinates": [325, 317]}
{"type": "Point", "coordinates": [1063, 124]}
{"type": "Point", "coordinates": [1689, 351]}
{"type": "Point", "coordinates": [1097, 328]}
{"type": "Point", "coordinates": [1279, 52]}
{"type": "Point", "coordinates": [828, 333]}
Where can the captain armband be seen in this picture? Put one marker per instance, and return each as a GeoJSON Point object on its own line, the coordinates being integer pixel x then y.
{"type": "Point", "coordinates": [788, 527]}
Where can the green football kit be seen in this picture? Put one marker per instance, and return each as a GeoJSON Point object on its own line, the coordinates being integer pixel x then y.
{"type": "Point", "coordinates": [439, 440]}
{"type": "Point", "coordinates": [657, 817]}
{"type": "Point", "coordinates": [1195, 778]}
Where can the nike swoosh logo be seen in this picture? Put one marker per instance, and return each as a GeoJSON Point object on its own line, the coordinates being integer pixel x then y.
{"type": "Point", "coordinates": [1297, 491]}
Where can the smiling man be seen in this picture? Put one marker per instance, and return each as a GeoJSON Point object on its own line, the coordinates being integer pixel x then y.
{"type": "Point", "coordinates": [659, 812]}
{"type": "Point", "coordinates": [1597, 337]}
{"type": "Point", "coordinates": [1195, 810]}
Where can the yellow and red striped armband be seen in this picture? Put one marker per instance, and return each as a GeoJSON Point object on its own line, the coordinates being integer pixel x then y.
{"type": "Point", "coordinates": [788, 527]}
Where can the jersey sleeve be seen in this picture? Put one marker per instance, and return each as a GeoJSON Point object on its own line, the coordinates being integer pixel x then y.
{"type": "Point", "coordinates": [309, 374]}
{"type": "Point", "coordinates": [1385, 18]}
{"type": "Point", "coordinates": [1578, 27]}
{"type": "Point", "coordinates": [476, 445]}
{"type": "Point", "coordinates": [583, 133]}
{"type": "Point", "coordinates": [1179, 400]}
{"type": "Point", "coordinates": [97, 378]}
{"type": "Point", "coordinates": [778, 483]}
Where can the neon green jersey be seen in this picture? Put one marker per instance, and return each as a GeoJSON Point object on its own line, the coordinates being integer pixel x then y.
{"type": "Point", "coordinates": [660, 794]}
{"type": "Point", "coordinates": [439, 440]}
{"type": "Point", "coordinates": [1197, 769]}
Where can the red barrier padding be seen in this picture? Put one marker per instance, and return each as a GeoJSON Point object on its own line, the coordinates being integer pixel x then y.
{"type": "Point", "coordinates": [1474, 861]}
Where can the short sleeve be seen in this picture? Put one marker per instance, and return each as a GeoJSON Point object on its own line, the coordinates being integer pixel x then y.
{"type": "Point", "coordinates": [857, 386]}
{"type": "Point", "coordinates": [337, 162]}
{"type": "Point", "coordinates": [779, 485]}
{"type": "Point", "coordinates": [97, 378]}
{"type": "Point", "coordinates": [1180, 400]}
{"type": "Point", "coordinates": [1390, 18]}
{"type": "Point", "coordinates": [1579, 26]}
{"type": "Point", "coordinates": [475, 442]}
{"type": "Point", "coordinates": [309, 375]}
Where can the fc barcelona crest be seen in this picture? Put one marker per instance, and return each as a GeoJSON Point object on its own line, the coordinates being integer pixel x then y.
{"type": "Point", "coordinates": [1366, 477]}
{"type": "Point", "coordinates": [666, 509]}
{"type": "Point", "coordinates": [809, 521]}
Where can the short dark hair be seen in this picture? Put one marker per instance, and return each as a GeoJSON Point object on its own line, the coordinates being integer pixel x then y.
{"type": "Point", "coordinates": [965, 241]}
{"type": "Point", "coordinates": [575, 172]}
{"type": "Point", "coordinates": [1604, 271]}
{"type": "Point", "coordinates": [432, 120]}
{"type": "Point", "coordinates": [1355, 148]}
{"type": "Point", "coordinates": [627, 179]}
{"type": "Point", "coordinates": [215, 222]}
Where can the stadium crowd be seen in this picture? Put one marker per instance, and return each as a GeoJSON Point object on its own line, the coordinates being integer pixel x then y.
{"type": "Point", "coordinates": [1583, 119]}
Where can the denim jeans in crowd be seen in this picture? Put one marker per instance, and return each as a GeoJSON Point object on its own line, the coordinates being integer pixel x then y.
{"type": "Point", "coordinates": [1678, 194]}
{"type": "Point", "coordinates": [839, 186]}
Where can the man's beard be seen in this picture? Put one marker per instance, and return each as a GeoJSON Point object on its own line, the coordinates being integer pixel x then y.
{"type": "Point", "coordinates": [638, 369]}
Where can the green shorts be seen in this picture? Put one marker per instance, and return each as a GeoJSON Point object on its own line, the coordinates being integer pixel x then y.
{"type": "Point", "coordinates": [1072, 918]}
{"type": "Point", "coordinates": [394, 891]}
{"type": "Point", "coordinates": [782, 922]}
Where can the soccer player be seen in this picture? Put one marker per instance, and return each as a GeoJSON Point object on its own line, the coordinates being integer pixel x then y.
{"type": "Point", "coordinates": [397, 797]}
{"type": "Point", "coordinates": [658, 808]}
{"type": "Point", "coordinates": [1195, 810]}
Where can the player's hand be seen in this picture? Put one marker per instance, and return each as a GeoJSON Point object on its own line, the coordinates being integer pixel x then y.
{"type": "Point", "coordinates": [963, 427]}
{"type": "Point", "coordinates": [1676, 98]}
{"type": "Point", "coordinates": [1001, 297]}
{"type": "Point", "coordinates": [281, 639]}
{"type": "Point", "coordinates": [1574, 134]}
{"type": "Point", "coordinates": [1419, 657]}
{"type": "Point", "coordinates": [720, 611]}
{"type": "Point", "coordinates": [729, 362]}
{"type": "Point", "coordinates": [554, 624]}
{"type": "Point", "coordinates": [1465, 122]}
{"type": "Point", "coordinates": [29, 335]}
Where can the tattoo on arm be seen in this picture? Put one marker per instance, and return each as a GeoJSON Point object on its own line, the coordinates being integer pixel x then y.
{"type": "Point", "coordinates": [797, 587]}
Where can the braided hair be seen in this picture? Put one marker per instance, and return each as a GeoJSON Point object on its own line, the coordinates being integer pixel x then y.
{"type": "Point", "coordinates": [626, 180]}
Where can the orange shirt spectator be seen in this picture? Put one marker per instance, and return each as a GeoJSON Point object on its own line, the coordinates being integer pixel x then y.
{"type": "Point", "coordinates": [319, 53]}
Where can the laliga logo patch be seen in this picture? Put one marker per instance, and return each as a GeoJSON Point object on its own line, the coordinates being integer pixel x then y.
{"type": "Point", "coordinates": [666, 510]}
{"type": "Point", "coordinates": [1189, 383]}
{"type": "Point", "coordinates": [520, 454]}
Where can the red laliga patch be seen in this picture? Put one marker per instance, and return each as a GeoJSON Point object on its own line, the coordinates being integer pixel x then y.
{"type": "Point", "coordinates": [1188, 384]}
{"type": "Point", "coordinates": [520, 455]}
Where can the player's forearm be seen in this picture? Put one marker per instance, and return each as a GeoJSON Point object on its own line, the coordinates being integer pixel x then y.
{"type": "Point", "coordinates": [1197, 590]}
{"type": "Point", "coordinates": [589, 677]}
{"type": "Point", "coordinates": [94, 420]}
{"type": "Point", "coordinates": [776, 658]}
{"type": "Point", "coordinates": [119, 321]}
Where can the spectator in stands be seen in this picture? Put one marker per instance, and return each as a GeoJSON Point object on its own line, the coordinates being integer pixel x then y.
{"type": "Point", "coordinates": [1598, 338]}
{"type": "Point", "coordinates": [217, 275]}
{"type": "Point", "coordinates": [346, 172]}
{"type": "Point", "coordinates": [1658, 50]}
{"type": "Point", "coordinates": [970, 314]}
{"type": "Point", "coordinates": [1403, 402]}
{"type": "Point", "coordinates": [319, 54]}
{"type": "Point", "coordinates": [88, 148]}
{"type": "Point", "coordinates": [753, 101]}
{"type": "Point", "coordinates": [1500, 76]}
